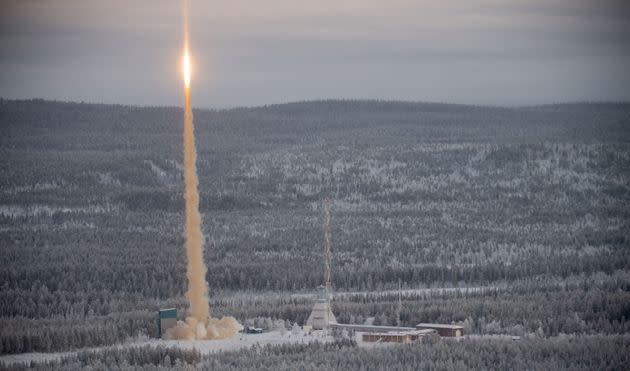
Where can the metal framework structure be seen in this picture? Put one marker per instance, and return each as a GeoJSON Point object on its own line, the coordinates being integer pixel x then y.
{"type": "Point", "coordinates": [327, 250]}
{"type": "Point", "coordinates": [399, 307]}
{"type": "Point", "coordinates": [322, 316]}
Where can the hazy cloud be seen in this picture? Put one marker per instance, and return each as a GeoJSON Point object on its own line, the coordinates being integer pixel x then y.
{"type": "Point", "coordinates": [252, 52]}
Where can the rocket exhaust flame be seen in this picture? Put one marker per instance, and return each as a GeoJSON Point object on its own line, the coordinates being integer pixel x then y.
{"type": "Point", "coordinates": [186, 68]}
{"type": "Point", "coordinates": [199, 325]}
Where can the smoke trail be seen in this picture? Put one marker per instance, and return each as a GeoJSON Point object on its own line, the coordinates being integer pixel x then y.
{"type": "Point", "coordinates": [197, 287]}
{"type": "Point", "coordinates": [199, 325]}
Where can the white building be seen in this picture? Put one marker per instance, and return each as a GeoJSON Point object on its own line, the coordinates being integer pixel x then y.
{"type": "Point", "coordinates": [321, 316]}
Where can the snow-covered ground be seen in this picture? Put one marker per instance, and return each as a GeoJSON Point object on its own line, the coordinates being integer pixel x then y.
{"type": "Point", "coordinates": [211, 346]}
{"type": "Point", "coordinates": [244, 341]}
{"type": "Point", "coordinates": [203, 346]}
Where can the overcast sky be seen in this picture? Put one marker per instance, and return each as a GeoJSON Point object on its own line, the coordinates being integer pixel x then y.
{"type": "Point", "coordinates": [498, 52]}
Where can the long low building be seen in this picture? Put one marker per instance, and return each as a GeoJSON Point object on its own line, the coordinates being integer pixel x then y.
{"type": "Point", "coordinates": [442, 330]}
{"type": "Point", "coordinates": [396, 336]}
{"type": "Point", "coordinates": [371, 328]}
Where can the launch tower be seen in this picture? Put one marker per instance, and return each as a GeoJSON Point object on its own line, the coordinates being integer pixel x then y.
{"type": "Point", "coordinates": [322, 316]}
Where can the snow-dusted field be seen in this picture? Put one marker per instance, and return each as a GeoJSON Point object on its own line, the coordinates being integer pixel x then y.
{"type": "Point", "coordinates": [203, 346]}
{"type": "Point", "coordinates": [244, 341]}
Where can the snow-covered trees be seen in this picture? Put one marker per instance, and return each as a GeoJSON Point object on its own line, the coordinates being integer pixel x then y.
{"type": "Point", "coordinates": [564, 353]}
{"type": "Point", "coordinates": [534, 200]}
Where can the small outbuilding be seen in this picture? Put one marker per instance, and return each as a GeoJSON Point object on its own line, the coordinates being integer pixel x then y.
{"type": "Point", "coordinates": [167, 318]}
{"type": "Point", "coordinates": [253, 330]}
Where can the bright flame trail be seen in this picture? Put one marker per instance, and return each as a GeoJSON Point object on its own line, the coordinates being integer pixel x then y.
{"type": "Point", "coordinates": [199, 325]}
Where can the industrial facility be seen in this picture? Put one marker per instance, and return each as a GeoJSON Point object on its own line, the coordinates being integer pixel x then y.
{"type": "Point", "coordinates": [322, 317]}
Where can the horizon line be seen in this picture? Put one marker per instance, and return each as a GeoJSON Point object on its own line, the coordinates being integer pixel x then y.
{"type": "Point", "coordinates": [324, 100]}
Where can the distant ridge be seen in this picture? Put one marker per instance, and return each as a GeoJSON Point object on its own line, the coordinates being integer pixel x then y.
{"type": "Point", "coordinates": [343, 105]}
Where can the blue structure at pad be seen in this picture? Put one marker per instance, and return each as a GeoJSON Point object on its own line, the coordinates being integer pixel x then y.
{"type": "Point", "coordinates": [167, 318]}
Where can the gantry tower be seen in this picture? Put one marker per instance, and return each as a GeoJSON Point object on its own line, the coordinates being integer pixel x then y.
{"type": "Point", "coordinates": [327, 251]}
{"type": "Point", "coordinates": [322, 316]}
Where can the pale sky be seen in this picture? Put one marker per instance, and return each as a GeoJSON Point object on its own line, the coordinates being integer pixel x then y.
{"type": "Point", "coordinates": [496, 52]}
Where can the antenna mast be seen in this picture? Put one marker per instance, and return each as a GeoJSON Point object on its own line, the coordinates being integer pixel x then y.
{"type": "Point", "coordinates": [399, 308]}
{"type": "Point", "coordinates": [327, 251]}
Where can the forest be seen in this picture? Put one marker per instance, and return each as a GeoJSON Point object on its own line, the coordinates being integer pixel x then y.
{"type": "Point", "coordinates": [505, 220]}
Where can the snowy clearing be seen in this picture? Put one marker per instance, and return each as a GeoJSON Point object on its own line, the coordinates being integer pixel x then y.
{"type": "Point", "coordinates": [203, 346]}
